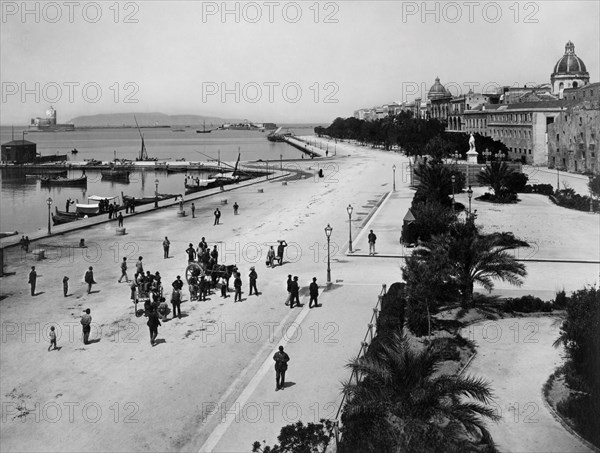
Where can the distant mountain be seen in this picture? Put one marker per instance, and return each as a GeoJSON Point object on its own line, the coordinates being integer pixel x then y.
{"type": "Point", "coordinates": [147, 119]}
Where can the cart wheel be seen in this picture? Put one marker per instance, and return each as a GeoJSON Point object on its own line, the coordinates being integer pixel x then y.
{"type": "Point", "coordinates": [193, 269]}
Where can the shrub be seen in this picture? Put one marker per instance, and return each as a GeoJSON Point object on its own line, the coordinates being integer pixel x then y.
{"type": "Point", "coordinates": [542, 189]}
{"type": "Point", "coordinates": [526, 304]}
{"type": "Point", "coordinates": [516, 182]}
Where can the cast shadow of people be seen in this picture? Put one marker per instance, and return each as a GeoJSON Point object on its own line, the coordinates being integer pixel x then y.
{"type": "Point", "coordinates": [159, 341]}
{"type": "Point", "coordinates": [288, 384]}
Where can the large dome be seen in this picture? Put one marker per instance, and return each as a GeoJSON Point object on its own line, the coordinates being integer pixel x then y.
{"type": "Point", "coordinates": [569, 64]}
{"type": "Point", "coordinates": [438, 91]}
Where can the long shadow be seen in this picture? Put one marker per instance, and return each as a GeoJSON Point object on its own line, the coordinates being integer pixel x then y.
{"type": "Point", "coordinates": [95, 340]}
{"type": "Point", "coordinates": [38, 294]}
{"type": "Point", "coordinates": [94, 292]}
{"type": "Point", "coordinates": [288, 384]}
{"type": "Point", "coordinates": [159, 341]}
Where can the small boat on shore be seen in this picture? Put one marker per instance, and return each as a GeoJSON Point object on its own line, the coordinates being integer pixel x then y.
{"type": "Point", "coordinates": [6, 234]}
{"type": "Point", "coordinates": [193, 185]}
{"type": "Point", "coordinates": [92, 207]}
{"type": "Point", "coordinates": [137, 201]}
{"type": "Point", "coordinates": [64, 217]}
{"type": "Point", "coordinates": [63, 182]}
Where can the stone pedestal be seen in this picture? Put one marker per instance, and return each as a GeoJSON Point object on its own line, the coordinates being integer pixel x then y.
{"type": "Point", "coordinates": [120, 231]}
{"type": "Point", "coordinates": [180, 213]}
{"type": "Point", "coordinates": [472, 157]}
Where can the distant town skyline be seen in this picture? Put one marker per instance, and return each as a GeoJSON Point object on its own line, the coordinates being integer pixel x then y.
{"type": "Point", "coordinates": [282, 62]}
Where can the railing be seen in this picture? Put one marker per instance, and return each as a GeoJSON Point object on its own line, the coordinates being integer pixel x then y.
{"type": "Point", "coordinates": [371, 332]}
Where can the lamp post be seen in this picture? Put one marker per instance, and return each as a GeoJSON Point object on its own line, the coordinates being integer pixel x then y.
{"type": "Point", "coordinates": [49, 202]}
{"type": "Point", "coordinates": [453, 181]}
{"type": "Point", "coordinates": [394, 170]}
{"type": "Point", "coordinates": [470, 195]}
{"type": "Point", "coordinates": [500, 156]}
{"type": "Point", "coordinates": [487, 153]}
{"type": "Point", "coordinates": [349, 209]}
{"type": "Point", "coordinates": [328, 231]}
{"type": "Point", "coordinates": [281, 162]}
{"type": "Point", "coordinates": [156, 181]}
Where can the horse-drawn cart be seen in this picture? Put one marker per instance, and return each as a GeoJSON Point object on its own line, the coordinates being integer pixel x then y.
{"type": "Point", "coordinates": [195, 271]}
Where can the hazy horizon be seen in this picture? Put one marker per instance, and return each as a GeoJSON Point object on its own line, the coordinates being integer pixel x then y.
{"type": "Point", "coordinates": [281, 62]}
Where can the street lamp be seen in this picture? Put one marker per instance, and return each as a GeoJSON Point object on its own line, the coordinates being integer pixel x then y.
{"type": "Point", "coordinates": [487, 153]}
{"type": "Point", "coordinates": [500, 155]}
{"type": "Point", "coordinates": [350, 209]}
{"type": "Point", "coordinates": [156, 181]}
{"type": "Point", "coordinates": [394, 169]}
{"type": "Point", "coordinates": [453, 181]}
{"type": "Point", "coordinates": [470, 195]}
{"type": "Point", "coordinates": [328, 231]}
{"type": "Point", "coordinates": [281, 162]}
{"type": "Point", "coordinates": [49, 202]}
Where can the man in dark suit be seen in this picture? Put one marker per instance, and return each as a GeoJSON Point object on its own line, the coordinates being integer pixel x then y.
{"type": "Point", "coordinates": [32, 280]}
{"type": "Point", "coordinates": [281, 360]}
{"type": "Point", "coordinates": [89, 279]}
{"type": "Point", "coordinates": [237, 284]}
{"type": "Point", "coordinates": [313, 290]}
{"type": "Point", "coordinates": [295, 289]}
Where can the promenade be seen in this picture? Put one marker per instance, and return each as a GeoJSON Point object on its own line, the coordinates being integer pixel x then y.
{"type": "Point", "coordinates": [209, 383]}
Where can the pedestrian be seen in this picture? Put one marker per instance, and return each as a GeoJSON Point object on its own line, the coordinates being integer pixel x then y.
{"type": "Point", "coordinates": [166, 245]}
{"type": "Point", "coordinates": [202, 288]}
{"type": "Point", "coordinates": [132, 205]}
{"type": "Point", "coordinates": [27, 242]}
{"type": "Point", "coordinates": [281, 364]}
{"type": "Point", "coordinates": [203, 245]}
{"type": "Point", "coordinates": [89, 278]}
{"type": "Point", "coordinates": [191, 253]}
{"type": "Point", "coordinates": [163, 309]}
{"type": "Point", "coordinates": [235, 208]}
{"type": "Point", "coordinates": [124, 270]}
{"type": "Point", "coordinates": [120, 219]}
{"type": "Point", "coordinates": [289, 289]}
{"type": "Point", "coordinates": [153, 323]}
{"type": "Point", "coordinates": [110, 211]}
{"type": "Point", "coordinates": [22, 242]}
{"type": "Point", "coordinates": [217, 216]}
{"type": "Point", "coordinates": [86, 321]}
{"type": "Point", "coordinates": [215, 254]}
{"type": "Point", "coordinates": [280, 251]}
{"type": "Point", "coordinates": [224, 287]}
{"type": "Point", "coordinates": [193, 211]}
{"type": "Point", "coordinates": [253, 276]}
{"type": "Point", "coordinates": [313, 291]}
{"type": "Point", "coordinates": [52, 338]}
{"type": "Point", "coordinates": [139, 267]}
{"type": "Point", "coordinates": [237, 284]}
{"type": "Point", "coordinates": [68, 204]}
{"type": "Point", "coordinates": [271, 257]}
{"type": "Point", "coordinates": [65, 285]}
{"type": "Point", "coordinates": [32, 279]}
{"type": "Point", "coordinates": [177, 284]}
{"type": "Point", "coordinates": [372, 238]}
{"type": "Point", "coordinates": [294, 296]}
{"type": "Point", "coordinates": [126, 207]}
{"type": "Point", "coordinates": [176, 302]}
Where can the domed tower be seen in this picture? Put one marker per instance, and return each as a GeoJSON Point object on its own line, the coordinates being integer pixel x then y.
{"type": "Point", "coordinates": [437, 91]}
{"type": "Point", "coordinates": [569, 72]}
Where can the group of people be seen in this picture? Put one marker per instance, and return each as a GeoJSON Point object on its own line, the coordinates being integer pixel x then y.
{"type": "Point", "coordinates": [24, 242]}
{"type": "Point", "coordinates": [105, 206]}
{"type": "Point", "coordinates": [272, 257]}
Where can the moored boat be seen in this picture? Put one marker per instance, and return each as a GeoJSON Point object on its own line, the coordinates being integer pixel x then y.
{"type": "Point", "coordinates": [59, 219]}
{"type": "Point", "coordinates": [137, 201]}
{"type": "Point", "coordinates": [115, 175]}
{"type": "Point", "coordinates": [61, 181]}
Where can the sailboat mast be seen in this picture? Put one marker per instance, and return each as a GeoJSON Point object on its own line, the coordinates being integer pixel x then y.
{"type": "Point", "coordinates": [143, 152]}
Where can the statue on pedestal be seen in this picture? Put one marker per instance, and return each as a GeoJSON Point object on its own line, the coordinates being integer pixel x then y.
{"type": "Point", "coordinates": [472, 143]}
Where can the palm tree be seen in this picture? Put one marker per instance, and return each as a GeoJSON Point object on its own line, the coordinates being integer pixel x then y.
{"type": "Point", "coordinates": [435, 182]}
{"type": "Point", "coordinates": [400, 404]}
{"type": "Point", "coordinates": [495, 176]}
{"type": "Point", "coordinates": [476, 258]}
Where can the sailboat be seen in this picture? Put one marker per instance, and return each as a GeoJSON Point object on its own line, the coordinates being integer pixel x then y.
{"type": "Point", "coordinates": [143, 152]}
{"type": "Point", "coordinates": [204, 131]}
{"type": "Point", "coordinates": [229, 176]}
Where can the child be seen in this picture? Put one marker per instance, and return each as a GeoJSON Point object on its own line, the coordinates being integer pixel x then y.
{"type": "Point", "coordinates": [52, 339]}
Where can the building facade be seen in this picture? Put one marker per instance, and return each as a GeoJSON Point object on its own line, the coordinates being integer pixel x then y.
{"type": "Point", "coordinates": [19, 151]}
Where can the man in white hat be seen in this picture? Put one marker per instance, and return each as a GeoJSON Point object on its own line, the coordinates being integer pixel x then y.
{"type": "Point", "coordinates": [253, 276]}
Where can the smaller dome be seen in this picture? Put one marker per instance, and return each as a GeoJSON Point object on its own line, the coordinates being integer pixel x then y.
{"type": "Point", "coordinates": [569, 64]}
{"type": "Point", "coordinates": [438, 91]}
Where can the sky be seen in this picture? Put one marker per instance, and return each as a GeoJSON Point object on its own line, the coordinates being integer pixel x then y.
{"type": "Point", "coordinates": [275, 61]}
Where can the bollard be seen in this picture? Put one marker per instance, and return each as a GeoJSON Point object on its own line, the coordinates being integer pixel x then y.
{"type": "Point", "coordinates": [120, 231]}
